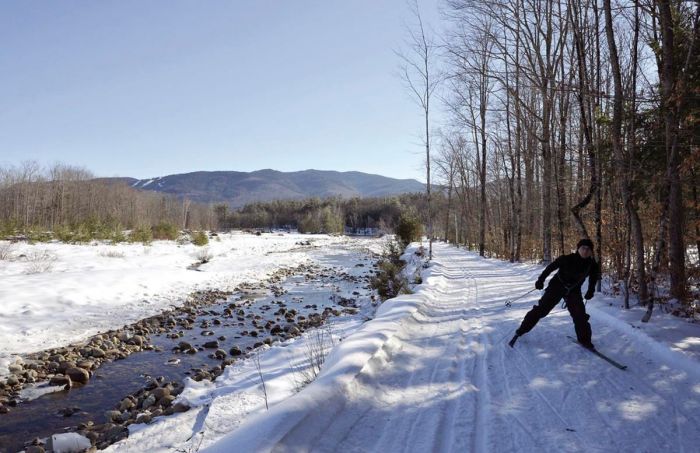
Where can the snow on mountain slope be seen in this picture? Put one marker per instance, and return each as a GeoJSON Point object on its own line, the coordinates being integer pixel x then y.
{"type": "Point", "coordinates": [432, 372]}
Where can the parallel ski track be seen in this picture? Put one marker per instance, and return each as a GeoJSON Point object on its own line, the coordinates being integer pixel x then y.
{"type": "Point", "coordinates": [375, 407]}
{"type": "Point", "coordinates": [449, 383]}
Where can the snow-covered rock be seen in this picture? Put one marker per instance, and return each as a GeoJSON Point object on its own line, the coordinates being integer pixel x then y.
{"type": "Point", "coordinates": [68, 443]}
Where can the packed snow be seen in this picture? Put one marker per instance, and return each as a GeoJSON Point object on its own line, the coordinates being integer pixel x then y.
{"type": "Point", "coordinates": [432, 372]}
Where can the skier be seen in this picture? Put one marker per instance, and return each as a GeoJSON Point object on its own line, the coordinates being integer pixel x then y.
{"type": "Point", "coordinates": [566, 283]}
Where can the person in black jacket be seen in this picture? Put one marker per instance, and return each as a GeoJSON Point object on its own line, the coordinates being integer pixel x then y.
{"type": "Point", "coordinates": [566, 283]}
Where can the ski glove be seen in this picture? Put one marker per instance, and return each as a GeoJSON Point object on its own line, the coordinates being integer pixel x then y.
{"type": "Point", "coordinates": [589, 294]}
{"type": "Point", "coordinates": [539, 284]}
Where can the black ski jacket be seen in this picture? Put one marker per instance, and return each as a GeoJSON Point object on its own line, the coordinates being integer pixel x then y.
{"type": "Point", "coordinates": [573, 270]}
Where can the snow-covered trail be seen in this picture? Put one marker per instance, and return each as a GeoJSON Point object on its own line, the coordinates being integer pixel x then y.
{"type": "Point", "coordinates": [446, 381]}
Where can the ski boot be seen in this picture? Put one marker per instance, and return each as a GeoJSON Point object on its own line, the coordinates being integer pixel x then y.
{"type": "Point", "coordinates": [588, 345]}
{"type": "Point", "coordinates": [512, 341]}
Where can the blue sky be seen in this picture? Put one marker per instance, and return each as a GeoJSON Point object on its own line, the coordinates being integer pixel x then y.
{"type": "Point", "coordinates": [148, 88]}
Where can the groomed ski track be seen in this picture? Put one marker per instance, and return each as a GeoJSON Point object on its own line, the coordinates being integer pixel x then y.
{"type": "Point", "coordinates": [439, 377]}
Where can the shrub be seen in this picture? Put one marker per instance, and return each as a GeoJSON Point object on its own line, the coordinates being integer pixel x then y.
{"type": "Point", "coordinates": [8, 228]}
{"type": "Point", "coordinates": [200, 238]}
{"type": "Point", "coordinates": [88, 231]}
{"type": "Point", "coordinates": [204, 256]}
{"type": "Point", "coordinates": [141, 234]}
{"type": "Point", "coordinates": [84, 233]}
{"type": "Point", "coordinates": [40, 261]}
{"type": "Point", "coordinates": [332, 221]}
{"type": "Point", "coordinates": [118, 235]}
{"type": "Point", "coordinates": [389, 282]}
{"type": "Point", "coordinates": [6, 250]}
{"type": "Point", "coordinates": [318, 345]}
{"type": "Point", "coordinates": [165, 230]}
{"type": "Point", "coordinates": [309, 223]}
{"type": "Point", "coordinates": [91, 229]}
{"type": "Point", "coordinates": [63, 233]}
{"type": "Point", "coordinates": [112, 254]}
{"type": "Point", "coordinates": [409, 229]}
{"type": "Point", "coordinates": [38, 236]}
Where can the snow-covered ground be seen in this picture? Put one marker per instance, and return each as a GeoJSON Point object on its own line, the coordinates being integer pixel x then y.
{"type": "Point", "coordinates": [53, 294]}
{"type": "Point", "coordinates": [432, 372]}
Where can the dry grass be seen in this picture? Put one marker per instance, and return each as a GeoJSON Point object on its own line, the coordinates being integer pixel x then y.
{"type": "Point", "coordinates": [6, 250]}
{"type": "Point", "coordinates": [204, 256]}
{"type": "Point", "coordinates": [317, 347]}
{"type": "Point", "coordinates": [40, 261]}
{"type": "Point", "coordinates": [112, 254]}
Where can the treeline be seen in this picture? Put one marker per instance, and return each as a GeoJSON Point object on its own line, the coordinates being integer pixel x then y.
{"type": "Point", "coordinates": [69, 200]}
{"type": "Point", "coordinates": [568, 119]}
{"type": "Point", "coordinates": [330, 215]}
{"type": "Point", "coordinates": [68, 203]}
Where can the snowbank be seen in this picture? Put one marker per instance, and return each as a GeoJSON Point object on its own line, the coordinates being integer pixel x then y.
{"type": "Point", "coordinates": [371, 346]}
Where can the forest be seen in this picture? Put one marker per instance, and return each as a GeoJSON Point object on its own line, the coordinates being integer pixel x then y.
{"type": "Point", "coordinates": [565, 119]}
{"type": "Point", "coordinates": [37, 201]}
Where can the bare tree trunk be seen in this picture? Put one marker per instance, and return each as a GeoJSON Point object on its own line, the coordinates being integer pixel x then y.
{"type": "Point", "coordinates": [628, 263]}
{"type": "Point", "coordinates": [696, 207]}
{"type": "Point", "coordinates": [561, 158]}
{"type": "Point", "coordinates": [449, 204]}
{"type": "Point", "coordinates": [669, 81]}
{"type": "Point", "coordinates": [417, 73]}
{"type": "Point", "coordinates": [635, 222]}
{"type": "Point", "coordinates": [598, 169]}
{"type": "Point", "coordinates": [546, 179]}
{"type": "Point", "coordinates": [518, 142]}
{"type": "Point", "coordinates": [514, 214]}
{"type": "Point", "coordinates": [586, 120]}
{"type": "Point", "coordinates": [616, 128]}
{"type": "Point", "coordinates": [482, 170]}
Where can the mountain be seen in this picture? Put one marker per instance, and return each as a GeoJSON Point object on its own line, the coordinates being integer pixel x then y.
{"type": "Point", "coordinates": [239, 188]}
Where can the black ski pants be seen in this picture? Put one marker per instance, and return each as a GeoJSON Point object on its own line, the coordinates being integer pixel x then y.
{"type": "Point", "coordinates": [551, 297]}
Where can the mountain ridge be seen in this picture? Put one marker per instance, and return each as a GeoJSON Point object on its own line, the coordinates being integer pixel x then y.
{"type": "Point", "coordinates": [237, 188]}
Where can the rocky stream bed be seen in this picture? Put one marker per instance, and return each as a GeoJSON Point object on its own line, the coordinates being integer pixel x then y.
{"type": "Point", "coordinates": [97, 388]}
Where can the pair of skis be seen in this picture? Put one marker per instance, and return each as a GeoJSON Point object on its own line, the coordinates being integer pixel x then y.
{"type": "Point", "coordinates": [612, 362]}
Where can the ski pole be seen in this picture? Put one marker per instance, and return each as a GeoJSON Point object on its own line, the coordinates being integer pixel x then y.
{"type": "Point", "coordinates": [509, 302]}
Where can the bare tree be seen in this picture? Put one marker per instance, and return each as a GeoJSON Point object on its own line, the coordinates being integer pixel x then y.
{"type": "Point", "coordinates": [417, 71]}
{"type": "Point", "coordinates": [578, 115]}
{"type": "Point", "coordinates": [71, 198]}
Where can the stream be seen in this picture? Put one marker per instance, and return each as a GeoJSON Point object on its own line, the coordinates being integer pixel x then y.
{"type": "Point", "coordinates": [338, 281]}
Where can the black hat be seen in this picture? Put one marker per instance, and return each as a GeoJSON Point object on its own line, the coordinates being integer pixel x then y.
{"type": "Point", "coordinates": [586, 242]}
